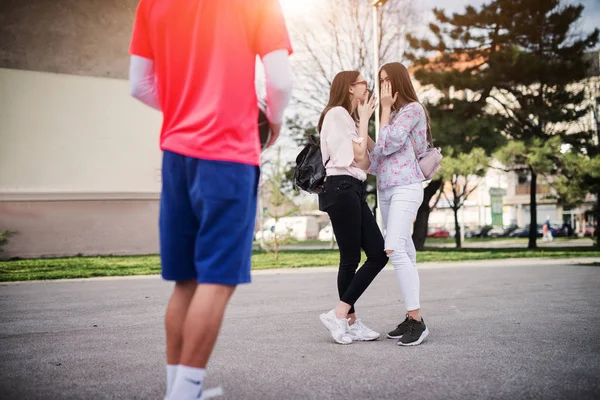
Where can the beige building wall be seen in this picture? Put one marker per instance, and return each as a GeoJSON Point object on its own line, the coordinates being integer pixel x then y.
{"type": "Point", "coordinates": [66, 133]}
{"type": "Point", "coordinates": [79, 165]}
{"type": "Point", "coordinates": [89, 227]}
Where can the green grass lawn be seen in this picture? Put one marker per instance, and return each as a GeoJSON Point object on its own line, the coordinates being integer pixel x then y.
{"type": "Point", "coordinates": [498, 239]}
{"type": "Point", "coordinates": [86, 267]}
{"type": "Point", "coordinates": [470, 240]}
{"type": "Point", "coordinates": [312, 242]}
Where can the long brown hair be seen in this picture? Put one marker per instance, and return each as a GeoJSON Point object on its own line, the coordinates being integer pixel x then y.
{"type": "Point", "coordinates": [401, 84]}
{"type": "Point", "coordinates": [338, 94]}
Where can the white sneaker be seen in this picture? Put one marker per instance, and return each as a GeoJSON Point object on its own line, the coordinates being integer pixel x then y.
{"type": "Point", "coordinates": [361, 332]}
{"type": "Point", "coordinates": [337, 327]}
{"type": "Point", "coordinates": [212, 393]}
{"type": "Point", "coordinates": [209, 393]}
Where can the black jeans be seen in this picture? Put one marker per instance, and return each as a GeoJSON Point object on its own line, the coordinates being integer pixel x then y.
{"type": "Point", "coordinates": [355, 227]}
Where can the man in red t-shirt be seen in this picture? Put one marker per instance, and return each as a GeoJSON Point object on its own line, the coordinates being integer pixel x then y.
{"type": "Point", "coordinates": [194, 60]}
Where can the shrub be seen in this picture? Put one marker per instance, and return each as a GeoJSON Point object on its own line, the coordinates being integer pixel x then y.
{"type": "Point", "coordinates": [4, 235]}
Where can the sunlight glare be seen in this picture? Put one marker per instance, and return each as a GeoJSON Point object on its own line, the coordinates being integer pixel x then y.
{"type": "Point", "coordinates": [295, 7]}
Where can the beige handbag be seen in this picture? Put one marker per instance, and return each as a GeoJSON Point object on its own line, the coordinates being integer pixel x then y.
{"type": "Point", "coordinates": [429, 161]}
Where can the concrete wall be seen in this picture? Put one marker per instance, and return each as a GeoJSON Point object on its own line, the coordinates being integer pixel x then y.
{"type": "Point", "coordinates": [65, 133]}
{"type": "Point", "coordinates": [59, 228]}
{"type": "Point", "coordinates": [79, 37]}
{"type": "Point", "coordinates": [79, 166]}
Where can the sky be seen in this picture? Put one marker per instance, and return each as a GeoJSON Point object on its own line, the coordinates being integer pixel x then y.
{"type": "Point", "coordinates": [589, 21]}
{"type": "Point", "coordinates": [590, 18]}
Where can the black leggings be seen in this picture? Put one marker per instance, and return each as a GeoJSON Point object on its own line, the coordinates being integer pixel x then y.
{"type": "Point", "coordinates": [355, 227]}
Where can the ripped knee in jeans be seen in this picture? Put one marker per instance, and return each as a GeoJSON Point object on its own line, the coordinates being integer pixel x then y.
{"type": "Point", "coordinates": [396, 256]}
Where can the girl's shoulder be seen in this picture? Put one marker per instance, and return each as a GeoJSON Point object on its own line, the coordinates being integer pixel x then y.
{"type": "Point", "coordinates": [414, 106]}
{"type": "Point", "coordinates": [412, 110]}
{"type": "Point", "coordinates": [339, 114]}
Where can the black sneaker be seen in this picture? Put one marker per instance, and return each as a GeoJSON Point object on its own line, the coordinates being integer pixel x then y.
{"type": "Point", "coordinates": [400, 330]}
{"type": "Point", "coordinates": [415, 334]}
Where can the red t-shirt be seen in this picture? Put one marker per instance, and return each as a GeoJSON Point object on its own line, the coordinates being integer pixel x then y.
{"type": "Point", "coordinates": [204, 54]}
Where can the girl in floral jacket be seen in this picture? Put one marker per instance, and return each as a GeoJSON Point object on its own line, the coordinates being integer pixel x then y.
{"type": "Point", "coordinates": [404, 133]}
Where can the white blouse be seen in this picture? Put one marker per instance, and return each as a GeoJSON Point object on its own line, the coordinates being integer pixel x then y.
{"type": "Point", "coordinates": [338, 132]}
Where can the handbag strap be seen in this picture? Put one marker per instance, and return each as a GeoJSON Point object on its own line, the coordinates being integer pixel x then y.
{"type": "Point", "coordinates": [414, 146]}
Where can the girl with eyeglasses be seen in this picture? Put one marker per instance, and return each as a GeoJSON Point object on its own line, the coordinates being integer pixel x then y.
{"type": "Point", "coordinates": [345, 146]}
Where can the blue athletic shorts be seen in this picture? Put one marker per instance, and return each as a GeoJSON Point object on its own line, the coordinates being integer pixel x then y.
{"type": "Point", "coordinates": [207, 216]}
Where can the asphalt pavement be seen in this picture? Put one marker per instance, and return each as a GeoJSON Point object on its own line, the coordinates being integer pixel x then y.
{"type": "Point", "coordinates": [509, 329]}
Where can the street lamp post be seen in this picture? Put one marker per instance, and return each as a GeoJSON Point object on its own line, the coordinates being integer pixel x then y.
{"type": "Point", "coordinates": [375, 5]}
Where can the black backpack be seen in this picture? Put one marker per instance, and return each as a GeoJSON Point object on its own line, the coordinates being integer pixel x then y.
{"type": "Point", "coordinates": [310, 171]}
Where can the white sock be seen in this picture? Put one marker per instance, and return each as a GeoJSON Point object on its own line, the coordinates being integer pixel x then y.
{"type": "Point", "coordinates": [171, 373]}
{"type": "Point", "coordinates": [188, 383]}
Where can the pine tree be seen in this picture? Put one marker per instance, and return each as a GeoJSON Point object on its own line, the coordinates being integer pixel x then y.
{"type": "Point", "coordinates": [521, 61]}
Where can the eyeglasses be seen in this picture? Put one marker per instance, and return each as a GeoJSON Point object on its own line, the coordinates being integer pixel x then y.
{"type": "Point", "coordinates": [360, 83]}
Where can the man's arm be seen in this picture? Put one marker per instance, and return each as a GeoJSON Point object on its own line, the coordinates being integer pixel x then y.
{"type": "Point", "coordinates": [278, 76]}
{"type": "Point", "coordinates": [142, 80]}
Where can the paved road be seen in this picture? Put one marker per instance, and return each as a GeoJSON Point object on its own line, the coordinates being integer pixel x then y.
{"type": "Point", "coordinates": [490, 244]}
{"type": "Point", "coordinates": [516, 243]}
{"type": "Point", "coordinates": [499, 331]}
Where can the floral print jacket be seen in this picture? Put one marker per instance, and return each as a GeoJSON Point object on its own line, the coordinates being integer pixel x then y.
{"type": "Point", "coordinates": [393, 158]}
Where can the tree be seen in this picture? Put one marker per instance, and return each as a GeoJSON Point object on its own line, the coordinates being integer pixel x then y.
{"type": "Point", "coordinates": [459, 125]}
{"type": "Point", "coordinates": [4, 237]}
{"type": "Point", "coordinates": [462, 172]}
{"type": "Point", "coordinates": [459, 121]}
{"type": "Point", "coordinates": [280, 204]}
{"type": "Point", "coordinates": [342, 42]}
{"type": "Point", "coordinates": [525, 60]}
{"type": "Point", "coordinates": [535, 157]}
{"type": "Point", "coordinates": [580, 176]}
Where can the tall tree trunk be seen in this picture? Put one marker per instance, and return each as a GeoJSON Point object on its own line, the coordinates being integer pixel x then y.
{"type": "Point", "coordinates": [422, 221]}
{"type": "Point", "coordinates": [457, 236]}
{"type": "Point", "coordinates": [533, 211]}
{"type": "Point", "coordinates": [597, 219]}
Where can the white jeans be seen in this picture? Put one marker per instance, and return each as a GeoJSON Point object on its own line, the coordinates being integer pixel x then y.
{"type": "Point", "coordinates": [399, 206]}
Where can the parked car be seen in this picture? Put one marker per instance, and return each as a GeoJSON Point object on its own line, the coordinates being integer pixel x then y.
{"type": "Point", "coordinates": [590, 231]}
{"type": "Point", "coordinates": [267, 234]}
{"type": "Point", "coordinates": [523, 233]}
{"type": "Point", "coordinates": [502, 232]}
{"type": "Point", "coordinates": [558, 230]}
{"type": "Point", "coordinates": [496, 232]}
{"type": "Point", "coordinates": [481, 231]}
{"type": "Point", "coordinates": [438, 233]}
{"type": "Point", "coordinates": [510, 229]}
{"type": "Point", "coordinates": [300, 228]}
{"type": "Point", "coordinates": [326, 234]}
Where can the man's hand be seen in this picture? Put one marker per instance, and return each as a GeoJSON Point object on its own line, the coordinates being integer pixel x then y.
{"type": "Point", "coordinates": [275, 130]}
